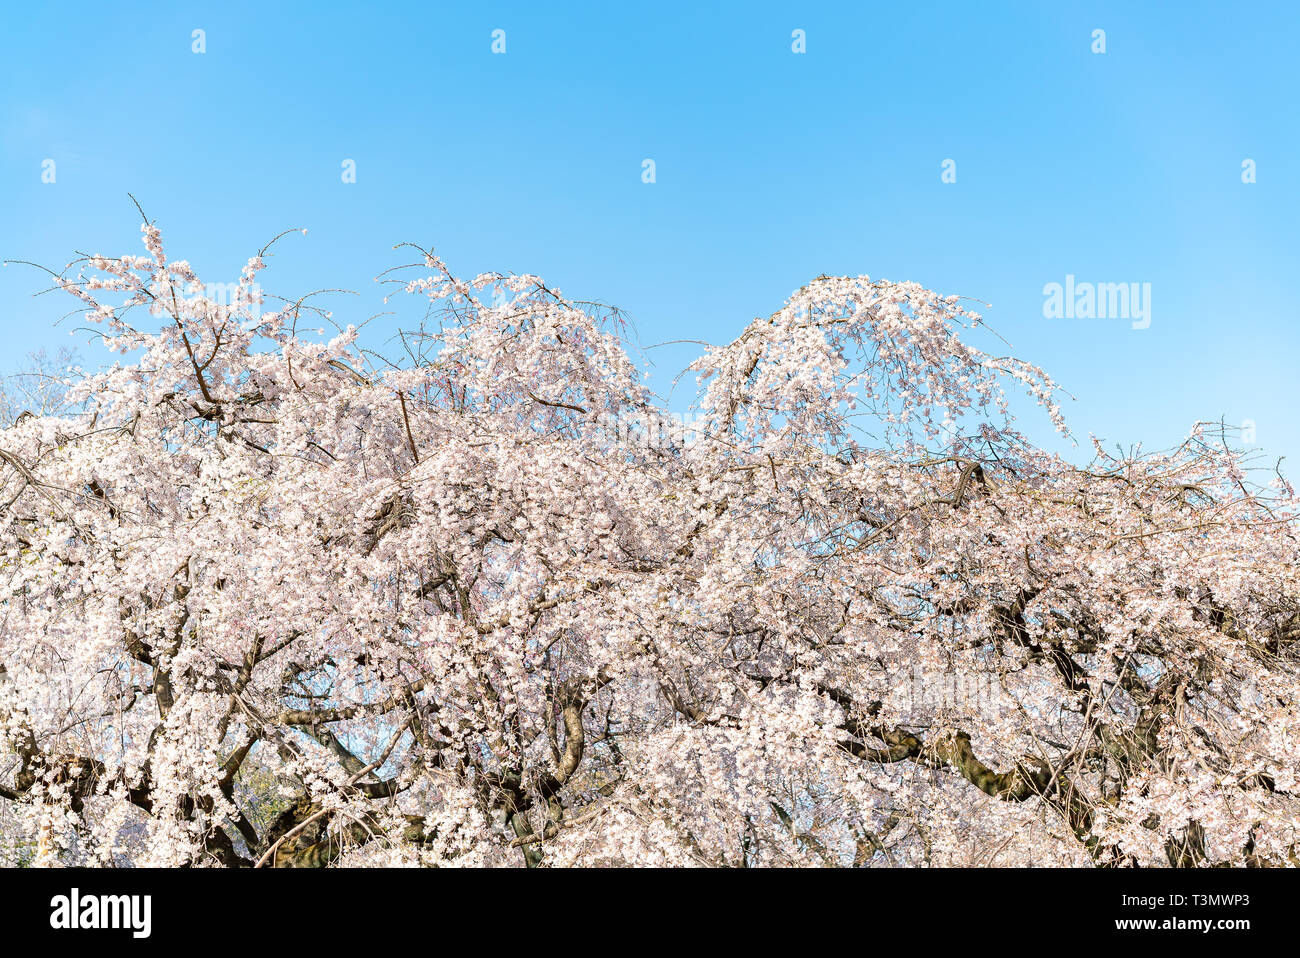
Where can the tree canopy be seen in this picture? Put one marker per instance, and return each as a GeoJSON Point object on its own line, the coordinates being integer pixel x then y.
{"type": "Point", "coordinates": [266, 599]}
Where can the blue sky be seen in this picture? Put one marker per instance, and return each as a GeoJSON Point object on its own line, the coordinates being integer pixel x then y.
{"type": "Point", "coordinates": [771, 167]}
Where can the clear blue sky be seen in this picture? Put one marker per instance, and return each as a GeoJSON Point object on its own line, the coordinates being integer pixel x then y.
{"type": "Point", "coordinates": [772, 167]}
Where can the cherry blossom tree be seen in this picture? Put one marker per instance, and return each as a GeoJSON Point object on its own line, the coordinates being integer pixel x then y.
{"type": "Point", "coordinates": [267, 599]}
